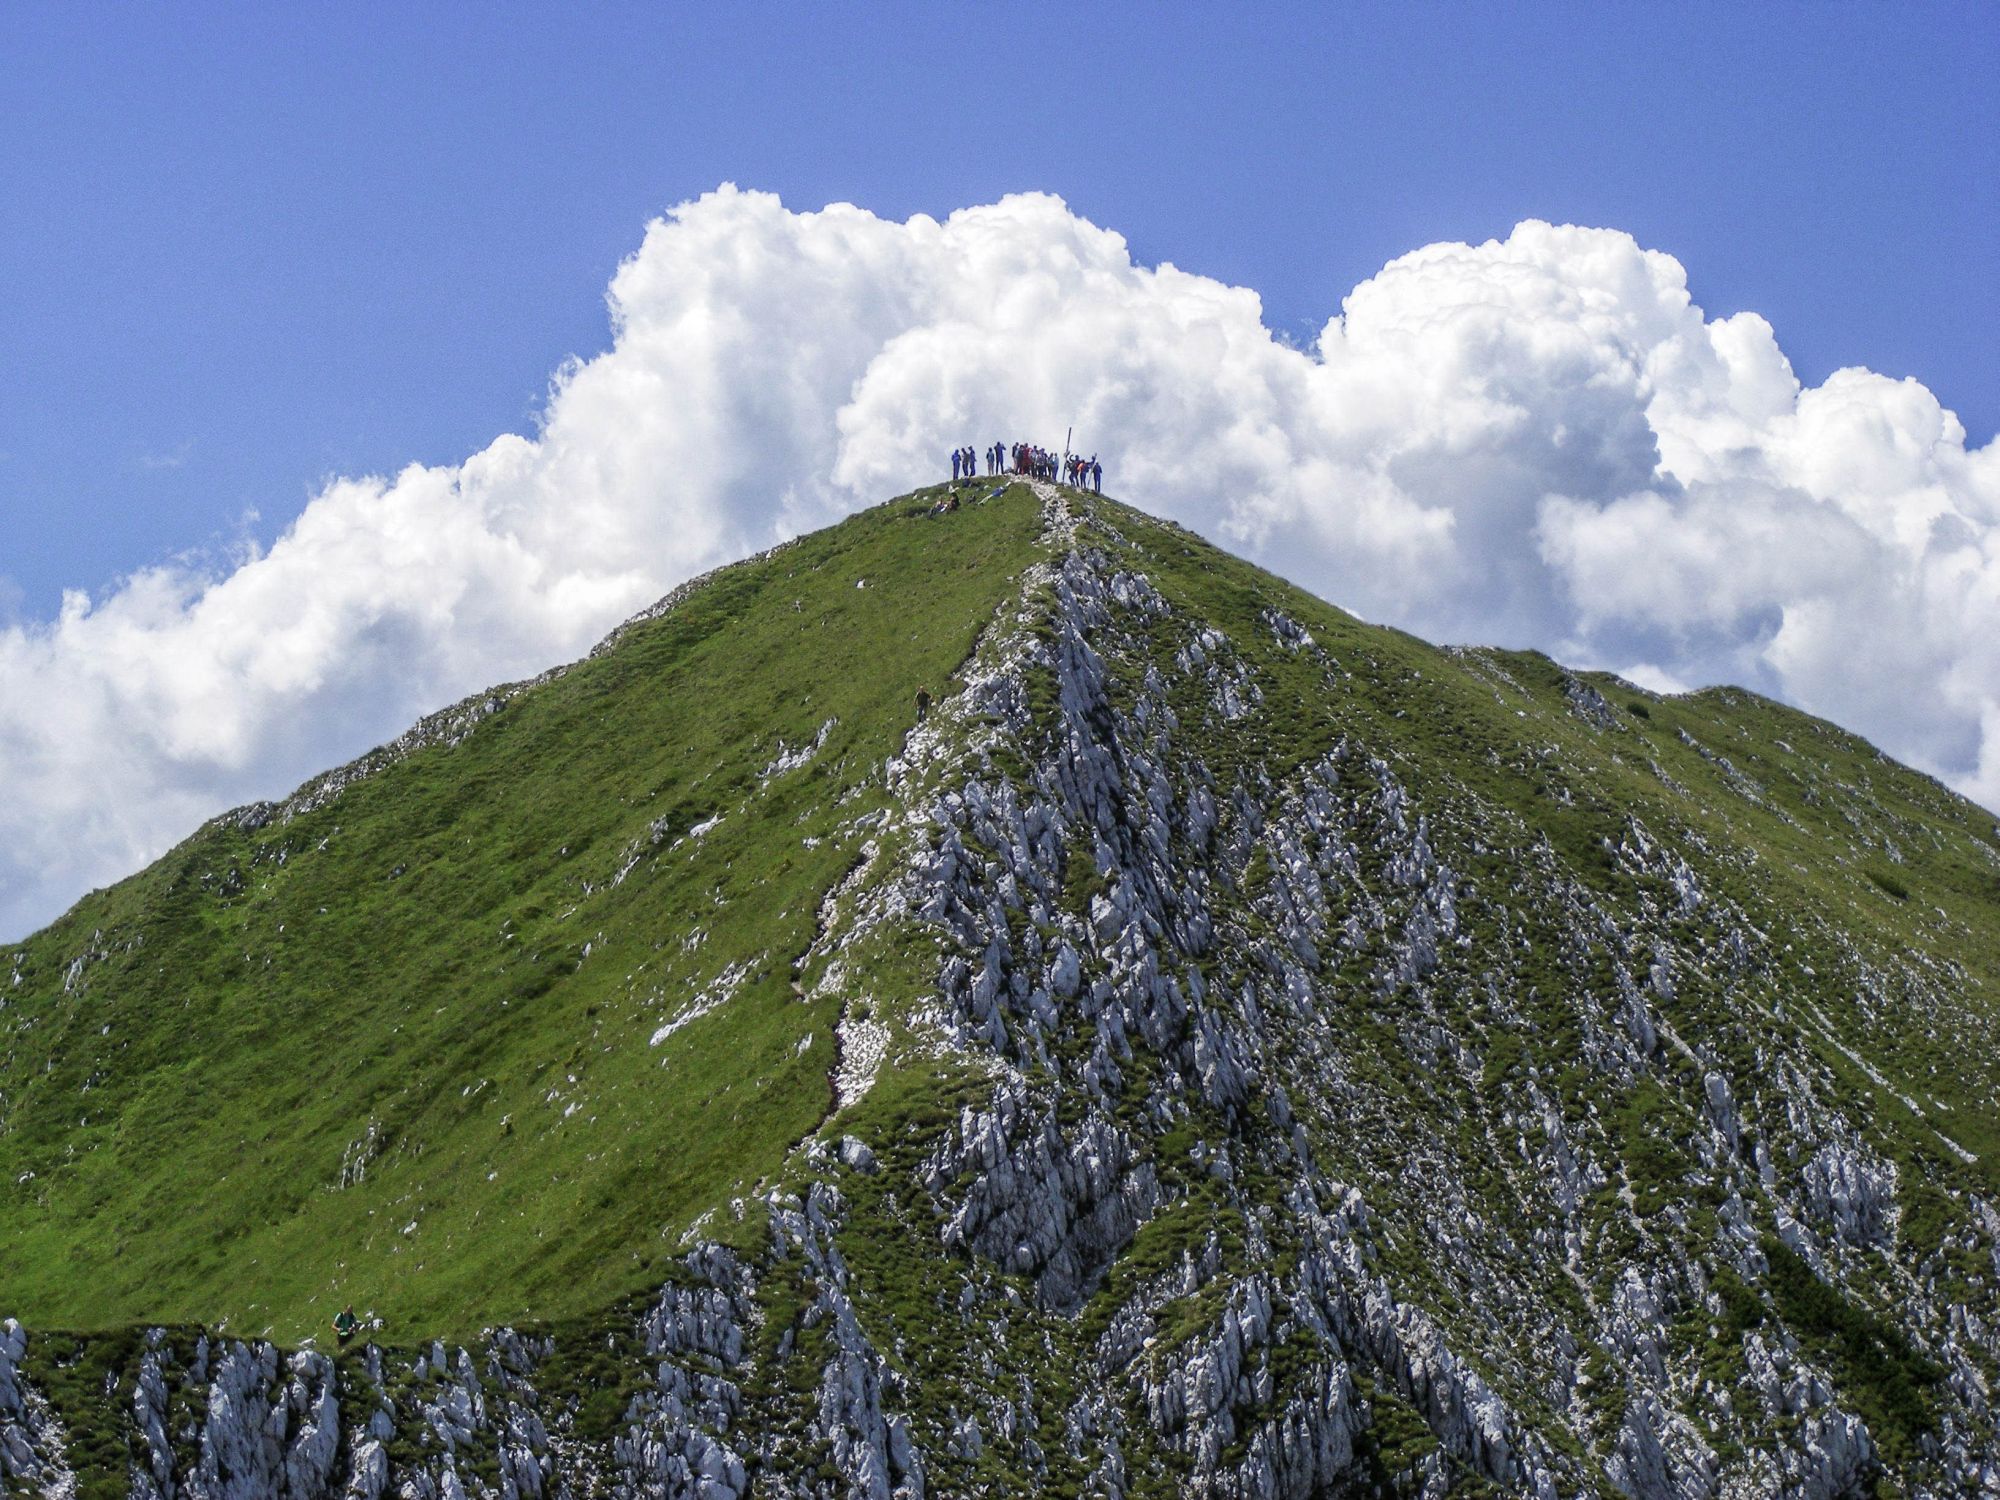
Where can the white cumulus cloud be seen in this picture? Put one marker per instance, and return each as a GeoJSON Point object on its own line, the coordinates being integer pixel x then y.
{"type": "Point", "coordinates": [1537, 441]}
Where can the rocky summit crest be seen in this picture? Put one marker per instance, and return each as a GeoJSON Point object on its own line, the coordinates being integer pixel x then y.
{"type": "Point", "coordinates": [1013, 1000]}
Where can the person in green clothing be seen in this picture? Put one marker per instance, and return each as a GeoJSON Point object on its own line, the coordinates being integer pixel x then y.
{"type": "Point", "coordinates": [345, 1323]}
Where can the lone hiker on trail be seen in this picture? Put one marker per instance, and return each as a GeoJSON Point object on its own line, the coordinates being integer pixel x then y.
{"type": "Point", "coordinates": [923, 704]}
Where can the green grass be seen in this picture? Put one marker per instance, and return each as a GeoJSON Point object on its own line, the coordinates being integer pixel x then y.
{"type": "Point", "coordinates": [441, 954]}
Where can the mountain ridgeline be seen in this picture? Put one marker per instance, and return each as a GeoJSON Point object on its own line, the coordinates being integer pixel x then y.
{"type": "Point", "coordinates": [1015, 1000]}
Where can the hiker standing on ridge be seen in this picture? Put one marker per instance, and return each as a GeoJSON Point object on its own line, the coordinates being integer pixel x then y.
{"type": "Point", "coordinates": [1096, 476]}
{"type": "Point", "coordinates": [956, 459]}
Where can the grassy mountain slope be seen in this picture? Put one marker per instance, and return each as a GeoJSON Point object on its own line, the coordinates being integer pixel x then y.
{"type": "Point", "coordinates": [445, 978]}
{"type": "Point", "coordinates": [1312, 1061]}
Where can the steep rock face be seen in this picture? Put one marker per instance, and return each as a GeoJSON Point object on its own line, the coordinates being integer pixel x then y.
{"type": "Point", "coordinates": [32, 1443]}
{"type": "Point", "coordinates": [1102, 790]}
{"type": "Point", "coordinates": [1283, 1078]}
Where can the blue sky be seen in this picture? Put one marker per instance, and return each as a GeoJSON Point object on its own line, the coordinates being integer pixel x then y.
{"type": "Point", "coordinates": [245, 248]}
{"type": "Point", "coordinates": [283, 291]}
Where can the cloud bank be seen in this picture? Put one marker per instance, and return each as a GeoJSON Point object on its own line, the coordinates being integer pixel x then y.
{"type": "Point", "coordinates": [1537, 441]}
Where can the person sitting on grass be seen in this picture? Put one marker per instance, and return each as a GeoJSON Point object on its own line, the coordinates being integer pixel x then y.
{"type": "Point", "coordinates": [345, 1323]}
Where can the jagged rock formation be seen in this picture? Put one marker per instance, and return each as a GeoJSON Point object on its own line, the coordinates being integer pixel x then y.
{"type": "Point", "coordinates": [1273, 1059]}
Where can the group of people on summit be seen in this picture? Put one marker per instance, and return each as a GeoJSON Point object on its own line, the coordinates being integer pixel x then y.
{"type": "Point", "coordinates": [1085, 473]}
{"type": "Point", "coordinates": [1036, 462]}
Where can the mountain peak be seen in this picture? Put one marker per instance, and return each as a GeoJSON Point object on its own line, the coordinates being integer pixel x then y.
{"type": "Point", "coordinates": [1009, 998]}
